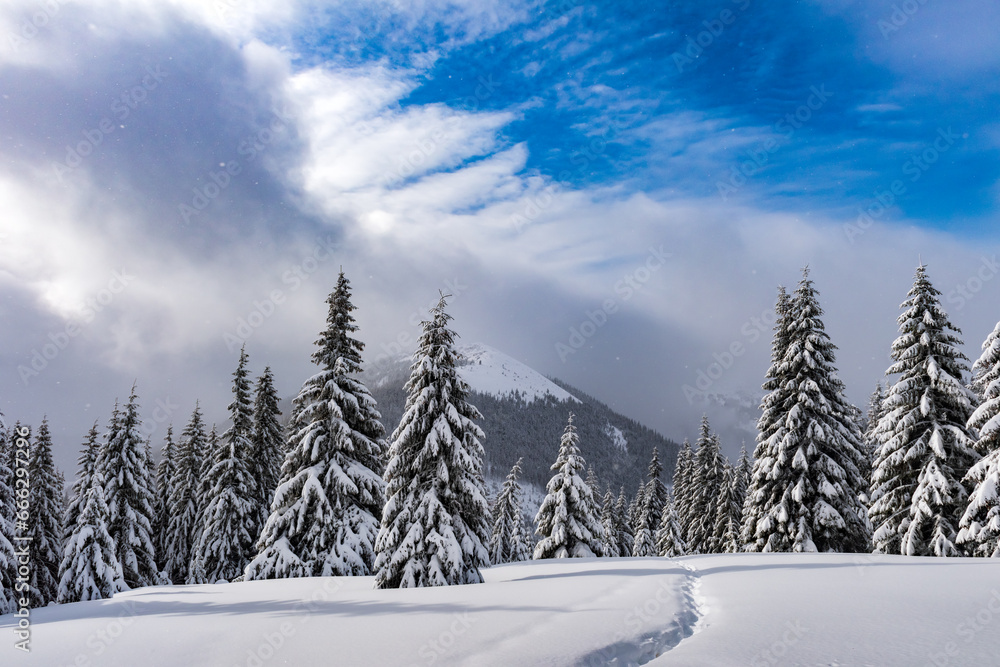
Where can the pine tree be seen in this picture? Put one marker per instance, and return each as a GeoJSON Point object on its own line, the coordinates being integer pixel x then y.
{"type": "Point", "coordinates": [434, 526]}
{"type": "Point", "coordinates": [226, 543]}
{"type": "Point", "coordinates": [565, 522]}
{"type": "Point", "coordinates": [729, 511]}
{"type": "Point", "coordinates": [609, 521]}
{"type": "Point", "coordinates": [869, 439]}
{"type": "Point", "coordinates": [683, 486]}
{"type": "Point", "coordinates": [267, 451]}
{"type": "Point", "coordinates": [45, 523]}
{"type": "Point", "coordinates": [87, 461]}
{"type": "Point", "coordinates": [707, 477]}
{"type": "Point", "coordinates": [979, 530]}
{"type": "Point", "coordinates": [123, 465]}
{"type": "Point", "coordinates": [183, 526]}
{"type": "Point", "coordinates": [807, 484]}
{"type": "Point", "coordinates": [165, 472]}
{"type": "Point", "coordinates": [741, 482]}
{"type": "Point", "coordinates": [634, 515]}
{"type": "Point", "coordinates": [669, 534]}
{"type": "Point", "coordinates": [625, 535]}
{"type": "Point", "coordinates": [325, 511]}
{"type": "Point", "coordinates": [506, 541]}
{"type": "Point", "coordinates": [924, 447]}
{"type": "Point", "coordinates": [653, 498]}
{"type": "Point", "coordinates": [8, 511]}
{"type": "Point", "coordinates": [89, 569]}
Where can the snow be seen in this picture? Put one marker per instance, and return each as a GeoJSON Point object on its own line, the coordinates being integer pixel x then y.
{"type": "Point", "coordinates": [489, 371]}
{"type": "Point", "coordinates": [617, 437]}
{"type": "Point", "coordinates": [728, 609]}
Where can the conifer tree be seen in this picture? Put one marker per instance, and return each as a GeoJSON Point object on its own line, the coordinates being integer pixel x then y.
{"type": "Point", "coordinates": [8, 512]}
{"type": "Point", "coordinates": [435, 523]}
{"type": "Point", "coordinates": [683, 486]}
{"type": "Point", "coordinates": [506, 545]}
{"type": "Point", "coordinates": [925, 450]}
{"type": "Point", "coordinates": [123, 465]}
{"type": "Point", "coordinates": [268, 449]}
{"type": "Point", "coordinates": [325, 512]}
{"type": "Point", "coordinates": [741, 481]}
{"type": "Point", "coordinates": [183, 527]}
{"type": "Point", "coordinates": [635, 511]}
{"type": "Point", "coordinates": [565, 521]}
{"type": "Point", "coordinates": [87, 461]}
{"type": "Point", "coordinates": [46, 516]}
{"type": "Point", "coordinates": [653, 498]}
{"type": "Point", "coordinates": [729, 511]}
{"type": "Point", "coordinates": [165, 472]}
{"type": "Point", "coordinates": [89, 568]}
{"type": "Point", "coordinates": [979, 530]}
{"type": "Point", "coordinates": [625, 536]}
{"type": "Point", "coordinates": [669, 535]}
{"type": "Point", "coordinates": [609, 521]}
{"type": "Point", "coordinates": [807, 484]}
{"type": "Point", "coordinates": [707, 478]}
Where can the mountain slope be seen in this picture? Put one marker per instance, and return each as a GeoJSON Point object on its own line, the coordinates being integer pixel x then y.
{"type": "Point", "coordinates": [524, 414]}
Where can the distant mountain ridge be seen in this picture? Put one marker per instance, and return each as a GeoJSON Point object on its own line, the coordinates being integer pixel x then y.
{"type": "Point", "coordinates": [524, 414]}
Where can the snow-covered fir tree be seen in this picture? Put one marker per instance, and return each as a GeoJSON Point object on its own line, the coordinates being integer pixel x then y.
{"type": "Point", "coordinates": [267, 451]}
{"type": "Point", "coordinates": [609, 521]}
{"type": "Point", "coordinates": [872, 417]}
{"type": "Point", "coordinates": [624, 533]}
{"type": "Point", "coordinates": [669, 534]}
{"type": "Point", "coordinates": [807, 485]}
{"type": "Point", "coordinates": [565, 523]}
{"type": "Point", "coordinates": [635, 510]}
{"type": "Point", "coordinates": [653, 498]}
{"type": "Point", "coordinates": [741, 482]}
{"type": "Point", "coordinates": [225, 545]}
{"type": "Point", "coordinates": [979, 529]}
{"type": "Point", "coordinates": [45, 519]}
{"type": "Point", "coordinates": [165, 472]}
{"type": "Point", "coordinates": [128, 493]}
{"type": "Point", "coordinates": [90, 569]}
{"type": "Point", "coordinates": [729, 510]}
{"type": "Point", "coordinates": [506, 541]}
{"type": "Point", "coordinates": [917, 494]}
{"type": "Point", "coordinates": [706, 480]}
{"type": "Point", "coordinates": [683, 485]}
{"type": "Point", "coordinates": [85, 472]}
{"type": "Point", "coordinates": [325, 512]}
{"type": "Point", "coordinates": [182, 529]}
{"type": "Point", "coordinates": [8, 511]}
{"type": "Point", "coordinates": [435, 523]}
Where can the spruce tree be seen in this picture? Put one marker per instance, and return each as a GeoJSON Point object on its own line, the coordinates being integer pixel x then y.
{"type": "Point", "coordinates": [807, 484]}
{"type": "Point", "coordinates": [123, 465]}
{"type": "Point", "coordinates": [326, 508]}
{"type": "Point", "coordinates": [267, 451]}
{"type": "Point", "coordinates": [183, 526]}
{"type": "Point", "coordinates": [165, 472]}
{"type": "Point", "coordinates": [741, 482]}
{"type": "Point", "coordinates": [683, 485]}
{"type": "Point", "coordinates": [506, 541]}
{"type": "Point", "coordinates": [8, 513]}
{"type": "Point", "coordinates": [653, 498]}
{"type": "Point", "coordinates": [46, 517]}
{"type": "Point", "coordinates": [669, 534]}
{"type": "Point", "coordinates": [729, 511]}
{"type": "Point", "coordinates": [565, 522]}
{"type": "Point", "coordinates": [435, 523]}
{"type": "Point", "coordinates": [925, 450]}
{"type": "Point", "coordinates": [609, 521]}
{"type": "Point", "coordinates": [89, 569]}
{"type": "Point", "coordinates": [86, 462]}
{"type": "Point", "coordinates": [625, 536]}
{"type": "Point", "coordinates": [707, 478]}
{"type": "Point", "coordinates": [979, 529]}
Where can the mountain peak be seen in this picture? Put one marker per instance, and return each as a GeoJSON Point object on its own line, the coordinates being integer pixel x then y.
{"type": "Point", "coordinates": [490, 371]}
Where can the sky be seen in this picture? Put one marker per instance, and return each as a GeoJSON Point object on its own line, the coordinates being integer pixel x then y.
{"type": "Point", "coordinates": [611, 192]}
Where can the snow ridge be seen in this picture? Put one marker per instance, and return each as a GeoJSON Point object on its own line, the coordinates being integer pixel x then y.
{"type": "Point", "coordinates": [490, 371]}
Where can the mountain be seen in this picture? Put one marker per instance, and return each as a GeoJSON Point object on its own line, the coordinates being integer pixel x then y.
{"type": "Point", "coordinates": [524, 414]}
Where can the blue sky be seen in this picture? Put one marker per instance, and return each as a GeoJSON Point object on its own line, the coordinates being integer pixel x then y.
{"type": "Point", "coordinates": [170, 170]}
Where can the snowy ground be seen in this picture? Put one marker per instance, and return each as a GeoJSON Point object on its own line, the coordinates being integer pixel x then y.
{"type": "Point", "coordinates": [745, 609]}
